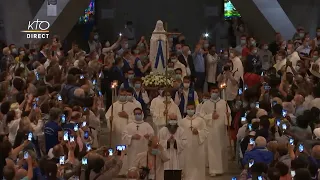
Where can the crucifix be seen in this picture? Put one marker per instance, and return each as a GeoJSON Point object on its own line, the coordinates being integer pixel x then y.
{"type": "Point", "coordinates": [191, 128]}
{"type": "Point", "coordinates": [137, 127]}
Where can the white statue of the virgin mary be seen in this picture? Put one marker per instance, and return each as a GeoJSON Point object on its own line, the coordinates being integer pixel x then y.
{"type": "Point", "coordinates": [158, 45]}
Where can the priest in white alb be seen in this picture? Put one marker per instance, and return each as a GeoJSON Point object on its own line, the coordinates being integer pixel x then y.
{"type": "Point", "coordinates": [215, 112]}
{"type": "Point", "coordinates": [136, 136]}
{"type": "Point", "coordinates": [163, 109]}
{"type": "Point", "coordinates": [122, 115]}
{"type": "Point", "coordinates": [196, 133]}
{"type": "Point", "coordinates": [174, 140]}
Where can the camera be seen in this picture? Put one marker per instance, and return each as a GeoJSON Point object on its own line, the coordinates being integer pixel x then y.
{"type": "Point", "coordinates": [226, 68]}
{"type": "Point", "coordinates": [144, 172]}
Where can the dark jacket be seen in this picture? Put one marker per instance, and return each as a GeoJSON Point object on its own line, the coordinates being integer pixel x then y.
{"type": "Point", "coordinates": [190, 63]}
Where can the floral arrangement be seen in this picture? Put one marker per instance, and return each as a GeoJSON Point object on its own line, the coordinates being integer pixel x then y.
{"type": "Point", "coordinates": [157, 80]}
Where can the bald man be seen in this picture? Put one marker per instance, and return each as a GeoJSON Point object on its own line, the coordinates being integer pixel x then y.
{"type": "Point", "coordinates": [153, 159]}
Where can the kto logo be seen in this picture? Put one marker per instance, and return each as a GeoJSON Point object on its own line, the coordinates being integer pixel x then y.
{"type": "Point", "coordinates": [37, 29]}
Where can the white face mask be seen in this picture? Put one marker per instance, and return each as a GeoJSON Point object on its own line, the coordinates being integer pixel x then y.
{"type": "Point", "coordinates": [97, 57]}
{"type": "Point", "coordinates": [22, 53]}
{"type": "Point", "coordinates": [186, 85]}
{"type": "Point", "coordinates": [126, 46]}
{"type": "Point", "coordinates": [96, 37]}
{"type": "Point", "coordinates": [189, 52]}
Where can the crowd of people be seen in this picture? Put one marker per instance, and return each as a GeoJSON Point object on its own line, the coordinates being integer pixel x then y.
{"type": "Point", "coordinates": [262, 98]}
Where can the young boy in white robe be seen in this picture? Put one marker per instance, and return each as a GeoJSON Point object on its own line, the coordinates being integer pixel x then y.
{"type": "Point", "coordinates": [174, 140]}
{"type": "Point", "coordinates": [136, 136]}
{"type": "Point", "coordinates": [215, 112]}
{"type": "Point", "coordinates": [196, 132]}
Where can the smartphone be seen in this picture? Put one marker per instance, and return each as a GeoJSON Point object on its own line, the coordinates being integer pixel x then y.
{"type": "Point", "coordinates": [110, 151]}
{"type": "Point", "coordinates": [100, 93]}
{"type": "Point", "coordinates": [100, 74]}
{"type": "Point", "coordinates": [88, 146]}
{"type": "Point", "coordinates": [34, 106]}
{"type": "Point", "coordinates": [36, 99]}
{"type": "Point", "coordinates": [301, 148]}
{"type": "Point", "coordinates": [243, 119]}
{"type": "Point", "coordinates": [25, 155]}
{"type": "Point", "coordinates": [59, 97]}
{"type": "Point", "coordinates": [84, 161]}
{"type": "Point", "coordinates": [251, 162]}
{"type": "Point", "coordinates": [84, 123]}
{"type": "Point", "coordinates": [257, 105]}
{"type": "Point", "coordinates": [267, 87]}
{"type": "Point", "coordinates": [284, 113]}
{"type": "Point", "coordinates": [278, 122]}
{"type": "Point", "coordinates": [262, 73]}
{"type": "Point", "coordinates": [240, 91]}
{"type": "Point", "coordinates": [71, 138]}
{"type": "Point", "coordinates": [63, 118]}
{"type": "Point", "coordinates": [274, 103]}
{"type": "Point", "coordinates": [76, 127]}
{"type": "Point", "coordinates": [245, 114]}
{"type": "Point", "coordinates": [234, 178]}
{"type": "Point", "coordinates": [291, 141]}
{"type": "Point", "coordinates": [52, 53]}
{"type": "Point", "coordinates": [81, 76]}
{"type": "Point", "coordinates": [30, 136]}
{"type": "Point", "coordinates": [94, 82]}
{"type": "Point", "coordinates": [260, 178]}
{"type": "Point", "coordinates": [250, 127]}
{"type": "Point", "coordinates": [86, 134]}
{"type": "Point", "coordinates": [65, 135]}
{"type": "Point", "coordinates": [284, 127]}
{"type": "Point", "coordinates": [85, 109]}
{"type": "Point", "coordinates": [61, 160]}
{"type": "Point", "coordinates": [245, 87]}
{"type": "Point", "coordinates": [37, 76]}
{"type": "Point", "coordinates": [120, 148]}
{"type": "Point", "coordinates": [252, 141]}
{"type": "Point", "coordinates": [293, 173]}
{"type": "Point", "coordinates": [120, 34]}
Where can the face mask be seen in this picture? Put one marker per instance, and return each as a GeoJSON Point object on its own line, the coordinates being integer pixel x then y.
{"type": "Point", "coordinates": [206, 45]}
{"type": "Point", "coordinates": [137, 86]}
{"type": "Point", "coordinates": [136, 51]}
{"type": "Point", "coordinates": [190, 112]}
{"type": "Point", "coordinates": [170, 69]}
{"type": "Point", "coordinates": [283, 47]}
{"type": "Point", "coordinates": [214, 96]}
{"type": "Point", "coordinates": [297, 68]}
{"type": "Point", "coordinates": [22, 53]}
{"type": "Point", "coordinates": [265, 47]}
{"type": "Point", "coordinates": [315, 57]}
{"type": "Point", "coordinates": [14, 51]}
{"type": "Point", "coordinates": [96, 37]}
{"type": "Point", "coordinates": [172, 122]}
{"type": "Point", "coordinates": [253, 43]}
{"type": "Point", "coordinates": [289, 51]}
{"type": "Point", "coordinates": [126, 46]}
{"type": "Point", "coordinates": [318, 33]}
{"type": "Point", "coordinates": [30, 57]}
{"type": "Point", "coordinates": [129, 98]}
{"type": "Point", "coordinates": [280, 58]}
{"type": "Point", "coordinates": [121, 65]}
{"type": "Point", "coordinates": [131, 76]}
{"type": "Point", "coordinates": [155, 151]}
{"type": "Point", "coordinates": [171, 39]}
{"type": "Point", "coordinates": [252, 105]}
{"type": "Point", "coordinates": [122, 98]}
{"type": "Point", "coordinates": [186, 85]}
{"type": "Point", "coordinates": [160, 92]}
{"type": "Point", "coordinates": [107, 44]}
{"type": "Point", "coordinates": [189, 52]}
{"type": "Point", "coordinates": [231, 55]}
{"type": "Point", "coordinates": [254, 51]}
{"type": "Point", "coordinates": [178, 76]}
{"type": "Point", "coordinates": [138, 117]}
{"type": "Point", "coordinates": [174, 60]}
{"type": "Point", "coordinates": [301, 35]}
{"type": "Point", "coordinates": [225, 56]}
{"type": "Point", "coordinates": [243, 42]}
{"type": "Point", "coordinates": [97, 57]}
